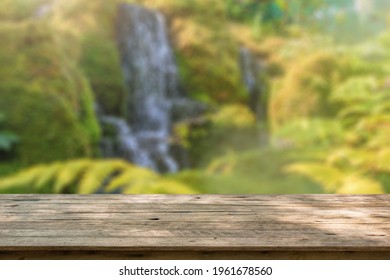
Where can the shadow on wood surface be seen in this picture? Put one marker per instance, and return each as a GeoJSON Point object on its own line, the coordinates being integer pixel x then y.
{"type": "Point", "coordinates": [194, 227]}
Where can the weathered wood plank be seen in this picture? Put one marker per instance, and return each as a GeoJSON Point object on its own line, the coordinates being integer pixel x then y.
{"type": "Point", "coordinates": [202, 225]}
{"type": "Point", "coordinates": [191, 255]}
{"type": "Point", "coordinates": [293, 200]}
{"type": "Point", "coordinates": [194, 226]}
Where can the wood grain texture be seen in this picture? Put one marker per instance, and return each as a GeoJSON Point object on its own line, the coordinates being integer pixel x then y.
{"type": "Point", "coordinates": [194, 227]}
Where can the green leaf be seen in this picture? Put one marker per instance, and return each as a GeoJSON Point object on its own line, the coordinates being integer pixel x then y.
{"type": "Point", "coordinates": [68, 175]}
{"type": "Point", "coordinates": [7, 140]}
{"type": "Point", "coordinates": [87, 176]}
{"type": "Point", "coordinates": [328, 176]}
{"type": "Point", "coordinates": [2, 117]}
{"type": "Point", "coordinates": [356, 184]}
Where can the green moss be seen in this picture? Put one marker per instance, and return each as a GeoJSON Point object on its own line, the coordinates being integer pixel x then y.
{"type": "Point", "coordinates": [101, 64]}
{"type": "Point", "coordinates": [92, 25]}
{"type": "Point", "coordinates": [48, 102]}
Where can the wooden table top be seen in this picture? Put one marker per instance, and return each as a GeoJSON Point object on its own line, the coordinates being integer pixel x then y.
{"type": "Point", "coordinates": [195, 222]}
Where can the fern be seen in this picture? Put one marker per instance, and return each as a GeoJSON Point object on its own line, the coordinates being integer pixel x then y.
{"type": "Point", "coordinates": [132, 178]}
{"type": "Point", "coordinates": [328, 176]}
{"type": "Point", "coordinates": [350, 115]}
{"type": "Point", "coordinates": [94, 178]}
{"type": "Point", "coordinates": [354, 90]}
{"type": "Point", "coordinates": [158, 186]}
{"type": "Point", "coordinates": [355, 165]}
{"type": "Point", "coordinates": [25, 181]}
{"type": "Point", "coordinates": [46, 176]}
{"type": "Point", "coordinates": [335, 180]}
{"type": "Point", "coordinates": [86, 176]}
{"type": "Point", "coordinates": [69, 175]}
{"type": "Point", "coordinates": [358, 184]}
{"type": "Point", "coordinates": [379, 161]}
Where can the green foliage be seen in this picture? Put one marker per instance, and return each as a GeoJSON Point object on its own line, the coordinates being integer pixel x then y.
{"type": "Point", "coordinates": [310, 132]}
{"type": "Point", "coordinates": [268, 10]}
{"type": "Point", "coordinates": [360, 162]}
{"type": "Point", "coordinates": [234, 116]}
{"type": "Point", "coordinates": [272, 15]}
{"type": "Point", "coordinates": [207, 58]}
{"type": "Point", "coordinates": [87, 176]}
{"type": "Point", "coordinates": [329, 107]}
{"type": "Point", "coordinates": [305, 89]}
{"type": "Point", "coordinates": [355, 90]}
{"type": "Point", "coordinates": [7, 138]}
{"type": "Point", "coordinates": [250, 172]}
{"type": "Point", "coordinates": [48, 102]}
{"type": "Point", "coordinates": [338, 181]}
{"type": "Point", "coordinates": [231, 127]}
{"type": "Point", "coordinates": [18, 9]}
{"type": "Point", "coordinates": [101, 65]}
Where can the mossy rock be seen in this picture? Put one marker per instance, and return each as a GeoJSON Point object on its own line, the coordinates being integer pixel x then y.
{"type": "Point", "coordinates": [100, 62]}
{"type": "Point", "coordinates": [47, 101]}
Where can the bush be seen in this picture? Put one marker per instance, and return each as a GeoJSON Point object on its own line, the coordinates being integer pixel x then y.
{"type": "Point", "coordinates": [48, 102]}
{"type": "Point", "coordinates": [305, 89]}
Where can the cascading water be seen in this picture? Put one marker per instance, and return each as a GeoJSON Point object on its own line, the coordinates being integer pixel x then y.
{"type": "Point", "coordinates": [151, 80]}
{"type": "Point", "coordinates": [252, 72]}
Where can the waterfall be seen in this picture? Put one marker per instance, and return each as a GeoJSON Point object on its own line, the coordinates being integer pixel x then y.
{"type": "Point", "coordinates": [150, 74]}
{"type": "Point", "coordinates": [253, 77]}
{"type": "Point", "coordinates": [252, 73]}
{"type": "Point", "coordinates": [145, 149]}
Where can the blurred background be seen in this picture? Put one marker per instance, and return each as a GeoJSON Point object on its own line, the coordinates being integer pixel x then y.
{"type": "Point", "coordinates": [195, 96]}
